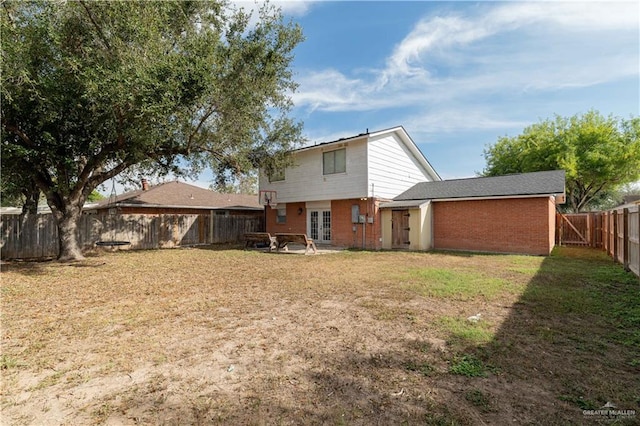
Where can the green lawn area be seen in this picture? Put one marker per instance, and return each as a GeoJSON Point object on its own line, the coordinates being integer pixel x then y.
{"type": "Point", "coordinates": [225, 336]}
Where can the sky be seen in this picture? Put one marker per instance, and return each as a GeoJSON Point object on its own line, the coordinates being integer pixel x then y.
{"type": "Point", "coordinates": [459, 75]}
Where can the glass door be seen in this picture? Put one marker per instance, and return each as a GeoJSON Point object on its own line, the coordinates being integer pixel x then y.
{"type": "Point", "coordinates": [320, 226]}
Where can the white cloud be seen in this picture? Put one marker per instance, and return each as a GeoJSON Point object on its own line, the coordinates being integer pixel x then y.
{"type": "Point", "coordinates": [498, 50]}
{"type": "Point", "coordinates": [288, 7]}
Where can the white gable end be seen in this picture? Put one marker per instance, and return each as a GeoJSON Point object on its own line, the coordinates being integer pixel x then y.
{"type": "Point", "coordinates": [394, 167]}
{"type": "Point", "coordinates": [382, 164]}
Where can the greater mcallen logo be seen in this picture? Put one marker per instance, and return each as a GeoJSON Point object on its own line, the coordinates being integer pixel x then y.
{"type": "Point", "coordinates": [609, 411]}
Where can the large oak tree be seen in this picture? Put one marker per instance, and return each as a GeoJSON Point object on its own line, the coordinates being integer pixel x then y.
{"type": "Point", "coordinates": [599, 154]}
{"type": "Point", "coordinates": [93, 89]}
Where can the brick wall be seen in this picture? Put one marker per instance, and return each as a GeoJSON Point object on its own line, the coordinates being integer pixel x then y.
{"type": "Point", "coordinates": [296, 221]}
{"type": "Point", "coordinates": [342, 229]}
{"type": "Point", "coordinates": [517, 225]}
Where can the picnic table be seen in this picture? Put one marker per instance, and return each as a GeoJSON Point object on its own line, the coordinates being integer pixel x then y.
{"type": "Point", "coordinates": [283, 240]}
{"type": "Point", "coordinates": [260, 238]}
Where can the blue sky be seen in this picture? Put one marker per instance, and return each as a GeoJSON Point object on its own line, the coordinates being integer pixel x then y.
{"type": "Point", "coordinates": [458, 75]}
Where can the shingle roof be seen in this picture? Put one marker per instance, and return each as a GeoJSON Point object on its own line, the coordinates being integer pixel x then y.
{"type": "Point", "coordinates": [524, 184]}
{"type": "Point", "coordinates": [179, 194]}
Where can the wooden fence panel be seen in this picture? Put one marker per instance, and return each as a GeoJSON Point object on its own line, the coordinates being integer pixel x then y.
{"type": "Point", "coordinates": [619, 236]}
{"type": "Point", "coordinates": [584, 229]}
{"type": "Point", "coordinates": [36, 237]}
{"type": "Point", "coordinates": [633, 243]}
{"type": "Point", "coordinates": [230, 229]}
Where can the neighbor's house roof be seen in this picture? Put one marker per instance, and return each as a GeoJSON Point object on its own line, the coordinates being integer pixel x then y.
{"type": "Point", "coordinates": [182, 195]}
{"type": "Point", "coordinates": [507, 186]}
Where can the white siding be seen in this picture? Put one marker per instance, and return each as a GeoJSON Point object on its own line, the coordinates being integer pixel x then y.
{"type": "Point", "coordinates": [304, 181]}
{"type": "Point", "coordinates": [392, 167]}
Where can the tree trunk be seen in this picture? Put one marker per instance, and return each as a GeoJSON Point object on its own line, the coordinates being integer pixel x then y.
{"type": "Point", "coordinates": [30, 205]}
{"type": "Point", "coordinates": [67, 221]}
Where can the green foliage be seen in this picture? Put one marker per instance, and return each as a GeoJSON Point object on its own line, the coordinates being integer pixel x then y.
{"type": "Point", "coordinates": [94, 89]}
{"type": "Point", "coordinates": [468, 366]}
{"type": "Point", "coordinates": [599, 154]}
{"type": "Point", "coordinates": [463, 332]}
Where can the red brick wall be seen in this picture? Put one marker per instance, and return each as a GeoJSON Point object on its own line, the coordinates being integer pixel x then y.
{"type": "Point", "coordinates": [295, 223]}
{"type": "Point", "coordinates": [517, 225]}
{"type": "Point", "coordinates": [342, 234]}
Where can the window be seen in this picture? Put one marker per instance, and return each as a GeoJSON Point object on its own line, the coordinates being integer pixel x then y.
{"type": "Point", "coordinates": [276, 175]}
{"type": "Point", "coordinates": [281, 215]}
{"type": "Point", "coordinates": [334, 162]}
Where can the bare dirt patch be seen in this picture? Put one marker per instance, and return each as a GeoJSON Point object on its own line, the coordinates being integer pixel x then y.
{"type": "Point", "coordinates": [202, 336]}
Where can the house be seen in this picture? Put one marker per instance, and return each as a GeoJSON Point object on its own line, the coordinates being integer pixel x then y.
{"type": "Point", "coordinates": [506, 214]}
{"type": "Point", "coordinates": [178, 198]}
{"type": "Point", "coordinates": [333, 190]}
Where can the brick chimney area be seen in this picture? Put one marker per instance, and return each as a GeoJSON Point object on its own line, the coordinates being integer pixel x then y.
{"type": "Point", "coordinates": [145, 185]}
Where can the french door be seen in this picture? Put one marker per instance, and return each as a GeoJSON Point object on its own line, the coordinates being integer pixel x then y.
{"type": "Point", "coordinates": [320, 226]}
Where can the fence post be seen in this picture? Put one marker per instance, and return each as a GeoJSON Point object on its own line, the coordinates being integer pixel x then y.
{"type": "Point", "coordinates": [615, 235]}
{"type": "Point", "coordinates": [211, 227]}
{"type": "Point", "coordinates": [625, 239]}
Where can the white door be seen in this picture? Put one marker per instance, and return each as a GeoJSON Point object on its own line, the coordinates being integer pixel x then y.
{"type": "Point", "coordinates": [320, 226]}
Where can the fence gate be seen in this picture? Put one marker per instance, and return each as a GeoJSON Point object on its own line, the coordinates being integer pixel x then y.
{"type": "Point", "coordinates": [583, 229]}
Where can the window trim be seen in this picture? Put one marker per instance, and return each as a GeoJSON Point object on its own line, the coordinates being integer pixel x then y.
{"type": "Point", "coordinates": [333, 153]}
{"type": "Point", "coordinates": [281, 219]}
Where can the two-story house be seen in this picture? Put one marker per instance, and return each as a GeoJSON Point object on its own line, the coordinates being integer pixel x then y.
{"type": "Point", "coordinates": [333, 190]}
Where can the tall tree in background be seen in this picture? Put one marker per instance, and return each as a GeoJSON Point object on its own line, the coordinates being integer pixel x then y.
{"type": "Point", "coordinates": [94, 89]}
{"type": "Point", "coordinates": [599, 154]}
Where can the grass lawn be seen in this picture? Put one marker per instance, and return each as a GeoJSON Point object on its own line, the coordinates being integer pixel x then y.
{"type": "Point", "coordinates": [209, 336]}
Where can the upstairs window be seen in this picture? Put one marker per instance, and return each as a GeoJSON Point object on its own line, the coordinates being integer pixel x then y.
{"type": "Point", "coordinates": [276, 175]}
{"type": "Point", "coordinates": [334, 162]}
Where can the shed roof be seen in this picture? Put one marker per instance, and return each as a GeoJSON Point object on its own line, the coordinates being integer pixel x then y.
{"type": "Point", "coordinates": [522, 184]}
{"type": "Point", "coordinates": [179, 194]}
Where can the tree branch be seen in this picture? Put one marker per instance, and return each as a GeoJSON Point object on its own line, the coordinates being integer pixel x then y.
{"type": "Point", "coordinates": [97, 27]}
{"type": "Point", "coordinates": [22, 135]}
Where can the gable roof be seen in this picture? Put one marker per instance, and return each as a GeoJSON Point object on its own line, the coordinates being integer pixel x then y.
{"type": "Point", "coordinates": [179, 194]}
{"type": "Point", "coordinates": [515, 185]}
{"type": "Point", "coordinates": [402, 135]}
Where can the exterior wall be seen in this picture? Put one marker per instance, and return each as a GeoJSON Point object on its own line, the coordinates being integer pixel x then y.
{"type": "Point", "coordinates": [420, 219]}
{"type": "Point", "coordinates": [517, 225]}
{"type": "Point", "coordinates": [296, 223]}
{"type": "Point", "coordinates": [552, 221]}
{"type": "Point", "coordinates": [420, 222]}
{"type": "Point", "coordinates": [304, 180]}
{"type": "Point", "coordinates": [344, 233]}
{"type": "Point", "coordinates": [392, 167]}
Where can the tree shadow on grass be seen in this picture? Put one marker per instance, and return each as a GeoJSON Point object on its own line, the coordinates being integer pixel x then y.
{"type": "Point", "coordinates": [570, 343]}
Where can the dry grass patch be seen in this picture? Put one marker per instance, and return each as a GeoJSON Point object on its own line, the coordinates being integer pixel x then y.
{"type": "Point", "coordinates": [205, 336]}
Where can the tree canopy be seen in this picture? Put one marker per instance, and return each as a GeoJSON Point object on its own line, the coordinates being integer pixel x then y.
{"type": "Point", "coordinates": [599, 154]}
{"type": "Point", "coordinates": [94, 89]}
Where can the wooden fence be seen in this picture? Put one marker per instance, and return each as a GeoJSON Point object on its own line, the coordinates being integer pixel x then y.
{"type": "Point", "coordinates": [583, 229]}
{"type": "Point", "coordinates": [36, 237]}
{"type": "Point", "coordinates": [616, 231]}
{"type": "Point", "coordinates": [622, 237]}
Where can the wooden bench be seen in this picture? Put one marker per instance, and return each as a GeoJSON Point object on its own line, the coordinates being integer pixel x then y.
{"type": "Point", "coordinates": [284, 239]}
{"type": "Point", "coordinates": [260, 238]}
